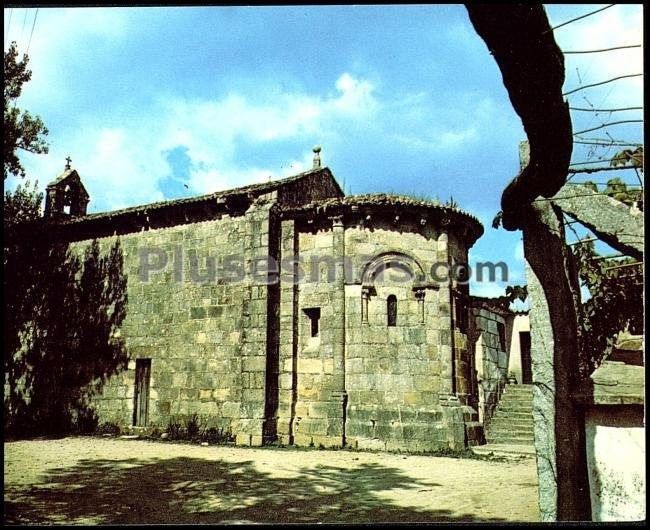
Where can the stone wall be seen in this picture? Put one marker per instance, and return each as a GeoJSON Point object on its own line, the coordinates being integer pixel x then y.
{"type": "Point", "coordinates": [318, 411]}
{"type": "Point", "coordinates": [615, 457]}
{"type": "Point", "coordinates": [206, 339]}
{"type": "Point", "coordinates": [307, 362]}
{"type": "Point", "coordinates": [392, 381]}
{"type": "Point", "coordinates": [615, 433]}
{"type": "Point", "coordinates": [393, 373]}
{"type": "Point", "coordinates": [491, 360]}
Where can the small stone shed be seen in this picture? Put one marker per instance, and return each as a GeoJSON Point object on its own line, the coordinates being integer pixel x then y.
{"type": "Point", "coordinates": [615, 433]}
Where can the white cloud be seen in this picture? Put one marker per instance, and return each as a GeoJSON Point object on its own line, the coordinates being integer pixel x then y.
{"type": "Point", "coordinates": [356, 96]}
{"type": "Point", "coordinates": [424, 127]}
{"type": "Point", "coordinates": [123, 165]}
{"type": "Point", "coordinates": [58, 43]}
{"type": "Point", "coordinates": [617, 26]}
{"type": "Point", "coordinates": [453, 139]}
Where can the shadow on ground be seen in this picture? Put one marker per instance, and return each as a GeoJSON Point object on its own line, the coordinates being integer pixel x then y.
{"type": "Point", "coordinates": [191, 490]}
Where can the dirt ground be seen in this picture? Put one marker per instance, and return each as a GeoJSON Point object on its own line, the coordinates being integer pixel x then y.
{"type": "Point", "coordinates": [88, 480]}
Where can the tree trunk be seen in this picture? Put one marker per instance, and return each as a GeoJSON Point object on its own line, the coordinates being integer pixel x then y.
{"type": "Point", "coordinates": [556, 341]}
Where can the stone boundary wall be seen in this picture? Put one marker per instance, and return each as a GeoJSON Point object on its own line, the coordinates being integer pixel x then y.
{"type": "Point", "coordinates": [491, 361]}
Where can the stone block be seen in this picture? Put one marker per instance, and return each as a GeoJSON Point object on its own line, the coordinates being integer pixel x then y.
{"type": "Point", "coordinates": [310, 366]}
{"type": "Point", "coordinates": [411, 398]}
{"type": "Point", "coordinates": [328, 366]}
{"type": "Point", "coordinates": [197, 312]}
{"type": "Point", "coordinates": [373, 444]}
{"type": "Point", "coordinates": [285, 381]}
{"type": "Point", "coordinates": [324, 409]}
{"type": "Point", "coordinates": [326, 441]}
{"type": "Point", "coordinates": [205, 394]}
{"type": "Point", "coordinates": [255, 363]}
{"type": "Point", "coordinates": [354, 366]}
{"type": "Point", "coordinates": [230, 409]}
{"type": "Point", "coordinates": [221, 394]}
{"type": "Point", "coordinates": [243, 439]}
{"type": "Point", "coordinates": [209, 409]}
{"type": "Point", "coordinates": [303, 440]}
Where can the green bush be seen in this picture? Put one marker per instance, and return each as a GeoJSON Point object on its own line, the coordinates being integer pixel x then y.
{"type": "Point", "coordinates": [175, 430]}
{"type": "Point", "coordinates": [213, 435]}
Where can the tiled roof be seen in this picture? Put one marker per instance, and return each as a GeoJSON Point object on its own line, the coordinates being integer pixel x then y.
{"type": "Point", "coordinates": [384, 199]}
{"type": "Point", "coordinates": [254, 189]}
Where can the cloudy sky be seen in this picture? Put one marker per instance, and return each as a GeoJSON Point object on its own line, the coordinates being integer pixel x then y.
{"type": "Point", "coordinates": [156, 103]}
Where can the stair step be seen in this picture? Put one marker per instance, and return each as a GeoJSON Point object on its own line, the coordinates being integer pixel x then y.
{"type": "Point", "coordinates": [513, 413]}
{"type": "Point", "coordinates": [510, 425]}
{"type": "Point", "coordinates": [492, 433]}
{"type": "Point", "coordinates": [512, 420]}
{"type": "Point", "coordinates": [507, 415]}
{"type": "Point", "coordinates": [513, 408]}
{"type": "Point", "coordinates": [513, 442]}
{"type": "Point", "coordinates": [510, 440]}
{"type": "Point", "coordinates": [525, 438]}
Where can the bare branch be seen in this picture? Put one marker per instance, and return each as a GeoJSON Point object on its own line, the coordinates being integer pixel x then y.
{"type": "Point", "coordinates": [611, 256]}
{"type": "Point", "coordinates": [639, 176]}
{"type": "Point", "coordinates": [632, 186]}
{"type": "Point", "coordinates": [607, 143]}
{"type": "Point", "coordinates": [604, 49]}
{"type": "Point", "coordinates": [634, 264]}
{"type": "Point", "coordinates": [620, 109]}
{"type": "Point", "coordinates": [573, 164]}
{"type": "Point", "coordinates": [607, 125]}
{"type": "Point", "coordinates": [583, 240]}
{"type": "Point", "coordinates": [596, 169]}
{"type": "Point", "coordinates": [601, 83]}
{"type": "Point", "coordinates": [580, 17]}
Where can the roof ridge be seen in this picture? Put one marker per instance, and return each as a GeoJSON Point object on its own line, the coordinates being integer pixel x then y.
{"type": "Point", "coordinates": [378, 198]}
{"type": "Point", "coordinates": [247, 188]}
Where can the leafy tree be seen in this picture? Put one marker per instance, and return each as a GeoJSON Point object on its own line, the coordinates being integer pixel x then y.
{"type": "Point", "coordinates": [617, 189]}
{"type": "Point", "coordinates": [21, 129]}
{"type": "Point", "coordinates": [616, 303]}
{"type": "Point", "coordinates": [513, 292]}
{"type": "Point", "coordinates": [629, 157]}
{"type": "Point", "coordinates": [62, 316]}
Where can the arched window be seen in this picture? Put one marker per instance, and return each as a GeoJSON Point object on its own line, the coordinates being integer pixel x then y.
{"type": "Point", "coordinates": [391, 310]}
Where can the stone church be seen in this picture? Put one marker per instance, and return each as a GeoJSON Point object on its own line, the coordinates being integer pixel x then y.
{"type": "Point", "coordinates": [288, 311]}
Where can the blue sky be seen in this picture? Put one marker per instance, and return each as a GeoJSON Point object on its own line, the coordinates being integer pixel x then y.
{"type": "Point", "coordinates": [154, 103]}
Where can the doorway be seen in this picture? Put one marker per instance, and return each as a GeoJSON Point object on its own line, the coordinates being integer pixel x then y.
{"type": "Point", "coordinates": [141, 393]}
{"type": "Point", "coordinates": [526, 363]}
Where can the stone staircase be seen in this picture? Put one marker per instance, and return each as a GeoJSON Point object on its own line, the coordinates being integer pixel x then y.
{"type": "Point", "coordinates": [512, 421]}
